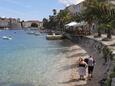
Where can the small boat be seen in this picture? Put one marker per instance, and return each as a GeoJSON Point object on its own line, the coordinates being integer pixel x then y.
{"type": "Point", "coordinates": [36, 34]}
{"type": "Point", "coordinates": [6, 28]}
{"type": "Point", "coordinates": [53, 36]}
{"type": "Point", "coordinates": [31, 32]}
{"type": "Point", "coordinates": [7, 37]}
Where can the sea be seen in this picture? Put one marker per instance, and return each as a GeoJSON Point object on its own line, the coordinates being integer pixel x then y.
{"type": "Point", "coordinates": [28, 59]}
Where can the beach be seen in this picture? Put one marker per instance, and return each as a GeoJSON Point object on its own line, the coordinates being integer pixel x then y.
{"type": "Point", "coordinates": [67, 74]}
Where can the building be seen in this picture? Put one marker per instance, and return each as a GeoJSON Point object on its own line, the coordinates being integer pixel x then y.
{"type": "Point", "coordinates": [14, 23]}
{"type": "Point", "coordinates": [76, 8]}
{"type": "Point", "coordinates": [10, 23]}
{"type": "Point", "coordinates": [4, 23]}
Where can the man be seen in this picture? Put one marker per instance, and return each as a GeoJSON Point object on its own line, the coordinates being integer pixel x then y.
{"type": "Point", "coordinates": [91, 64]}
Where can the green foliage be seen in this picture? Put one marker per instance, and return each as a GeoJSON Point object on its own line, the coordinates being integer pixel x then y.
{"type": "Point", "coordinates": [101, 27]}
{"type": "Point", "coordinates": [114, 69]}
{"type": "Point", "coordinates": [112, 75]}
{"type": "Point", "coordinates": [51, 22]}
{"type": "Point", "coordinates": [101, 12]}
{"type": "Point", "coordinates": [108, 82]}
{"type": "Point", "coordinates": [63, 17]}
{"type": "Point", "coordinates": [45, 23]}
{"type": "Point", "coordinates": [107, 53]}
{"type": "Point", "coordinates": [54, 12]}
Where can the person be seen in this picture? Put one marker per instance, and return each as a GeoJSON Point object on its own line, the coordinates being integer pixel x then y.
{"type": "Point", "coordinates": [82, 68]}
{"type": "Point", "coordinates": [91, 64]}
{"type": "Point", "coordinates": [86, 60]}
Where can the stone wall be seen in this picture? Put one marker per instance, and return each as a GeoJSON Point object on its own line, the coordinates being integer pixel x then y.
{"type": "Point", "coordinates": [93, 45]}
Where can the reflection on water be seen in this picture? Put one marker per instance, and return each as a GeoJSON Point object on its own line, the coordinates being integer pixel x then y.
{"type": "Point", "coordinates": [29, 60]}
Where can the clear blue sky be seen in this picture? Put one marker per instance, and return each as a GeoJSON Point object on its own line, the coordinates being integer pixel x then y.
{"type": "Point", "coordinates": [28, 9]}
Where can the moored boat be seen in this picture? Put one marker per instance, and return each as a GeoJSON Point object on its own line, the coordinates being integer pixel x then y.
{"type": "Point", "coordinates": [31, 32]}
{"type": "Point", "coordinates": [54, 36]}
{"type": "Point", "coordinates": [7, 37]}
{"type": "Point", "coordinates": [36, 34]}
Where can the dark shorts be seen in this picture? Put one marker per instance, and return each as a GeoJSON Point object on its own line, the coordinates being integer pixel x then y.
{"type": "Point", "coordinates": [90, 69]}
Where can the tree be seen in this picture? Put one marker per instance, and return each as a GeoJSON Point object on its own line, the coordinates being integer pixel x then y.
{"type": "Point", "coordinates": [45, 23]}
{"type": "Point", "coordinates": [99, 12]}
{"type": "Point", "coordinates": [106, 17]}
{"type": "Point", "coordinates": [22, 23]}
{"type": "Point", "coordinates": [63, 18]}
{"type": "Point", "coordinates": [54, 12]}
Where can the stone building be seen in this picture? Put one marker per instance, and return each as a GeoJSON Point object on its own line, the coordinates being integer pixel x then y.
{"type": "Point", "coordinates": [10, 23]}
{"type": "Point", "coordinates": [76, 8]}
{"type": "Point", "coordinates": [27, 24]}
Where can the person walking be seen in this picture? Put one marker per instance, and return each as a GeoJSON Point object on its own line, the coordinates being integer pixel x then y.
{"type": "Point", "coordinates": [82, 68]}
{"type": "Point", "coordinates": [91, 64]}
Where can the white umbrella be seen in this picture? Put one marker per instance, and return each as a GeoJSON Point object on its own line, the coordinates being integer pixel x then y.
{"type": "Point", "coordinates": [75, 24]}
{"type": "Point", "coordinates": [71, 24]}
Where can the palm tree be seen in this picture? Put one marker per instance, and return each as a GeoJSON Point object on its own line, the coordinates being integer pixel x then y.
{"type": "Point", "coordinates": [100, 13]}
{"type": "Point", "coordinates": [63, 18]}
{"type": "Point", "coordinates": [106, 17]}
{"type": "Point", "coordinates": [54, 12]}
{"type": "Point", "coordinates": [89, 13]}
{"type": "Point", "coordinates": [45, 23]}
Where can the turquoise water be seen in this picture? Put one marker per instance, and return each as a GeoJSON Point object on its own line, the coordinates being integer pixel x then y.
{"type": "Point", "coordinates": [27, 60]}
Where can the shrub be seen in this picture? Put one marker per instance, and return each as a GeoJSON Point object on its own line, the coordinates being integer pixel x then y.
{"type": "Point", "coordinates": [108, 82]}
{"type": "Point", "coordinates": [112, 75]}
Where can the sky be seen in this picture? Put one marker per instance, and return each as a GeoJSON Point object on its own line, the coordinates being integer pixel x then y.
{"type": "Point", "coordinates": [31, 9]}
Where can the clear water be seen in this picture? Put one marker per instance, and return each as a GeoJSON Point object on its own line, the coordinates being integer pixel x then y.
{"type": "Point", "coordinates": [27, 60]}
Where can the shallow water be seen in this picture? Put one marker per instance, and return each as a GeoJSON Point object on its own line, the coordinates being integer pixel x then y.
{"type": "Point", "coordinates": [29, 60]}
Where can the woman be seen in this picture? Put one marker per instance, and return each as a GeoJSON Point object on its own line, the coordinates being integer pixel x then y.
{"type": "Point", "coordinates": [82, 68]}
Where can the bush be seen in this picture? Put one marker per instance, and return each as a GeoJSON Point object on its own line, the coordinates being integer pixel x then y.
{"type": "Point", "coordinates": [114, 69]}
{"type": "Point", "coordinates": [112, 75]}
{"type": "Point", "coordinates": [108, 82]}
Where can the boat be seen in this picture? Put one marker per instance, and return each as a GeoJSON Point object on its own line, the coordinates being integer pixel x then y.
{"type": "Point", "coordinates": [7, 37]}
{"type": "Point", "coordinates": [31, 32]}
{"type": "Point", "coordinates": [6, 28]}
{"type": "Point", "coordinates": [36, 34]}
{"type": "Point", "coordinates": [54, 36]}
